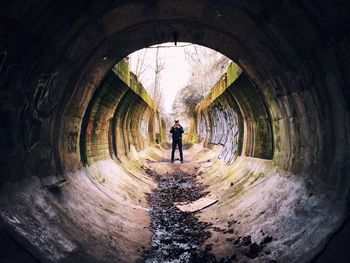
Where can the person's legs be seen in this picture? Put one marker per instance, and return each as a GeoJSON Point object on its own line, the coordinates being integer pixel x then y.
{"type": "Point", "coordinates": [180, 150]}
{"type": "Point", "coordinates": [173, 151]}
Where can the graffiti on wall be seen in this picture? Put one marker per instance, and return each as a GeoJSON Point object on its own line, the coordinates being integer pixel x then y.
{"type": "Point", "coordinates": [72, 142]}
{"type": "Point", "coordinates": [144, 128]}
{"type": "Point", "coordinates": [3, 56]}
{"type": "Point", "coordinates": [42, 102]}
{"type": "Point", "coordinates": [16, 71]}
{"type": "Point", "coordinates": [32, 105]}
{"type": "Point", "coordinates": [38, 108]}
{"type": "Point", "coordinates": [202, 128]}
{"type": "Point", "coordinates": [225, 132]}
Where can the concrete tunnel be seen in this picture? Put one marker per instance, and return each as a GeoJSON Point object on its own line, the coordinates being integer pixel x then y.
{"type": "Point", "coordinates": [73, 187]}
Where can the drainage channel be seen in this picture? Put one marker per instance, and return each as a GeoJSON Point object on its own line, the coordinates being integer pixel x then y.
{"type": "Point", "coordinates": [180, 237]}
{"type": "Point", "coordinates": [177, 236]}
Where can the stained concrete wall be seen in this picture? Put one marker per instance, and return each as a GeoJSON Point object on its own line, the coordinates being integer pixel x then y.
{"type": "Point", "coordinates": [112, 122]}
{"type": "Point", "coordinates": [234, 115]}
{"type": "Point", "coordinates": [299, 70]}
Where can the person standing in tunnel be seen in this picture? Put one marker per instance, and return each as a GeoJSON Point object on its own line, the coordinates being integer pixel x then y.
{"type": "Point", "coordinates": [176, 131]}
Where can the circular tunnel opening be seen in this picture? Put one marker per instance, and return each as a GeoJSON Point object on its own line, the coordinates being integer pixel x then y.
{"type": "Point", "coordinates": [216, 113]}
{"type": "Point", "coordinates": [81, 151]}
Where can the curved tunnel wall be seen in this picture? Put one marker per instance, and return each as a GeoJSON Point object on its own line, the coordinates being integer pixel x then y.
{"type": "Point", "coordinates": [296, 53]}
{"type": "Point", "coordinates": [257, 123]}
{"type": "Point", "coordinates": [235, 116]}
{"type": "Point", "coordinates": [281, 84]}
{"type": "Point", "coordinates": [112, 122]}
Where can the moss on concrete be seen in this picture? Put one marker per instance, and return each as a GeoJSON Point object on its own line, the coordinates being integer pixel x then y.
{"type": "Point", "coordinates": [227, 92]}
{"type": "Point", "coordinates": [112, 122]}
{"type": "Point", "coordinates": [121, 69]}
{"type": "Point", "coordinates": [232, 73]}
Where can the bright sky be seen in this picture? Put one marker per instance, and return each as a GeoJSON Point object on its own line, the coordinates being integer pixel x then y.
{"type": "Point", "coordinates": [175, 74]}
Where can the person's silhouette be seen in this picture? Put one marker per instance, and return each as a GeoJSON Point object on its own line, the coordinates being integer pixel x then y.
{"type": "Point", "coordinates": [176, 131]}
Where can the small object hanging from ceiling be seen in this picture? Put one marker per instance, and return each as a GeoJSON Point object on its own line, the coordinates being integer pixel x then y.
{"type": "Point", "coordinates": [175, 36]}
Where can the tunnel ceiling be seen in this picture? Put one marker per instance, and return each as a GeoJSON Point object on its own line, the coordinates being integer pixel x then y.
{"type": "Point", "coordinates": [294, 52]}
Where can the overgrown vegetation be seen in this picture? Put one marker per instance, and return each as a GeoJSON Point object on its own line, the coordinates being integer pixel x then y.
{"type": "Point", "coordinates": [207, 66]}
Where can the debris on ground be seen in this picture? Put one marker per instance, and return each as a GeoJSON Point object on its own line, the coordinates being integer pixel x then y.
{"type": "Point", "coordinates": [197, 205]}
{"type": "Point", "coordinates": [177, 236]}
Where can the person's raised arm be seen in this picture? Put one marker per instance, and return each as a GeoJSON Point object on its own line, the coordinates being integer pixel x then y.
{"type": "Point", "coordinates": [181, 129]}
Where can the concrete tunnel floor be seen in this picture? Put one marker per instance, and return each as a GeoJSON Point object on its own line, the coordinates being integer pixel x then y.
{"type": "Point", "coordinates": [102, 213]}
{"type": "Point", "coordinates": [262, 215]}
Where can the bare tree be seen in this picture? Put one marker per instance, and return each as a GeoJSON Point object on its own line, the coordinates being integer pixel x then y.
{"type": "Point", "coordinates": [186, 101]}
{"type": "Point", "coordinates": [207, 67]}
{"type": "Point", "coordinates": [148, 64]}
{"type": "Point", "coordinates": [157, 91]}
{"type": "Point", "coordinates": [141, 66]}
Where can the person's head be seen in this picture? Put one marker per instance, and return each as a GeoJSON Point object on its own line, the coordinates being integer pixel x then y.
{"type": "Point", "coordinates": [177, 123]}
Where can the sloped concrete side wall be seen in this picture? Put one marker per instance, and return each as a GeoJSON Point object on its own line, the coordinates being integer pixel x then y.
{"type": "Point", "coordinates": [235, 116]}
{"type": "Point", "coordinates": [112, 122]}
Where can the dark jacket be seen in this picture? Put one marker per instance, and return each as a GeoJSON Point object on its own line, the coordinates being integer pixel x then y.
{"type": "Point", "coordinates": [177, 133]}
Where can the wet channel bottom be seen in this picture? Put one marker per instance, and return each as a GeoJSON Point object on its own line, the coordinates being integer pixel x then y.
{"type": "Point", "coordinates": [177, 236]}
